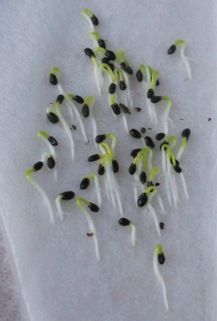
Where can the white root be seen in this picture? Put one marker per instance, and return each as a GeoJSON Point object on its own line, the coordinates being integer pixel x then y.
{"type": "Point", "coordinates": [98, 192]}
{"type": "Point", "coordinates": [115, 188]}
{"type": "Point", "coordinates": [109, 187]}
{"type": "Point", "coordinates": [94, 126]}
{"type": "Point", "coordinates": [160, 280]}
{"type": "Point", "coordinates": [124, 118]}
{"type": "Point", "coordinates": [129, 96]}
{"type": "Point", "coordinates": [184, 185]}
{"type": "Point", "coordinates": [185, 60]}
{"type": "Point", "coordinates": [165, 119]}
{"type": "Point", "coordinates": [59, 207]}
{"type": "Point", "coordinates": [92, 230]}
{"type": "Point", "coordinates": [45, 199]}
{"type": "Point", "coordinates": [133, 234]}
{"type": "Point", "coordinates": [98, 78]}
{"type": "Point", "coordinates": [180, 153]}
{"type": "Point", "coordinates": [155, 218]}
{"type": "Point", "coordinates": [68, 132]}
{"type": "Point", "coordinates": [161, 204]}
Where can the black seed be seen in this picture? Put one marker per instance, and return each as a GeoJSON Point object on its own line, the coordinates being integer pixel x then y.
{"type": "Point", "coordinates": [93, 158]}
{"type": "Point", "coordinates": [125, 109]}
{"type": "Point", "coordinates": [112, 88]}
{"type": "Point", "coordinates": [159, 136]}
{"type": "Point", "coordinates": [157, 184]}
{"type": "Point", "coordinates": [101, 43]}
{"type": "Point", "coordinates": [115, 166]}
{"type": "Point", "coordinates": [74, 127]}
{"type": "Point", "coordinates": [84, 183]}
{"type": "Point", "coordinates": [135, 133]}
{"type": "Point", "coordinates": [50, 162]}
{"type": "Point", "coordinates": [89, 52]}
{"type": "Point", "coordinates": [209, 119]}
{"type": "Point", "coordinates": [156, 99]}
{"type": "Point", "coordinates": [142, 177]}
{"type": "Point", "coordinates": [161, 258]}
{"type": "Point", "coordinates": [132, 168]}
{"type": "Point", "coordinates": [101, 170]}
{"type": "Point", "coordinates": [111, 66]}
{"type": "Point", "coordinates": [122, 85]}
{"type": "Point", "coordinates": [150, 183]}
{"type": "Point", "coordinates": [158, 82]}
{"type": "Point", "coordinates": [134, 152]}
{"type": "Point", "coordinates": [66, 196]}
{"type": "Point", "coordinates": [53, 141]}
{"type": "Point", "coordinates": [116, 109]}
{"type": "Point", "coordinates": [150, 93]}
{"type": "Point", "coordinates": [37, 166]}
{"type": "Point", "coordinates": [161, 225]}
{"type": "Point", "coordinates": [149, 142]}
{"type": "Point", "coordinates": [60, 99]}
{"type": "Point", "coordinates": [138, 109]}
{"type": "Point", "coordinates": [143, 130]}
{"type": "Point", "coordinates": [78, 99]}
{"type": "Point", "coordinates": [139, 75]}
{"type": "Point", "coordinates": [126, 68]}
{"type": "Point", "coordinates": [85, 110]}
{"type": "Point", "coordinates": [94, 20]}
{"type": "Point", "coordinates": [186, 133]}
{"type": "Point", "coordinates": [152, 190]}
{"type": "Point", "coordinates": [105, 60]}
{"type": "Point", "coordinates": [177, 169]}
{"type": "Point", "coordinates": [93, 207]}
{"type": "Point", "coordinates": [90, 234]}
{"type": "Point", "coordinates": [53, 118]}
{"type": "Point", "coordinates": [100, 138]}
{"type": "Point", "coordinates": [171, 50]}
{"type": "Point", "coordinates": [142, 200]}
{"type": "Point", "coordinates": [53, 79]}
{"type": "Point", "coordinates": [124, 221]}
{"type": "Point", "coordinates": [110, 54]}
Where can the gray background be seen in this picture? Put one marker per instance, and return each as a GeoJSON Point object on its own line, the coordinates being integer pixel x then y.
{"type": "Point", "coordinates": [55, 265]}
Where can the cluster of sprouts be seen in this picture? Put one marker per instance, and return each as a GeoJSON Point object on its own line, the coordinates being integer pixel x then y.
{"type": "Point", "coordinates": [156, 166]}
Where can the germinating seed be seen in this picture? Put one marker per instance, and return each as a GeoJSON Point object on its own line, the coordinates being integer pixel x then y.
{"type": "Point", "coordinates": [156, 99]}
{"type": "Point", "coordinates": [53, 79]}
{"type": "Point", "coordinates": [160, 136]}
{"type": "Point", "coordinates": [93, 207]}
{"type": "Point", "coordinates": [53, 118]}
{"type": "Point", "coordinates": [142, 200]}
{"type": "Point", "coordinates": [132, 169]}
{"type": "Point", "coordinates": [112, 88]}
{"type": "Point", "coordinates": [149, 142]}
{"type": "Point", "coordinates": [135, 133]}
{"type": "Point", "coordinates": [161, 258]}
{"type": "Point", "coordinates": [161, 225]}
{"type": "Point", "coordinates": [143, 177]}
{"type": "Point", "coordinates": [60, 99]}
{"type": "Point", "coordinates": [101, 43]}
{"type": "Point", "coordinates": [116, 109]}
{"type": "Point", "coordinates": [93, 158]}
{"type": "Point", "coordinates": [125, 109]}
{"type": "Point", "coordinates": [115, 166]}
{"type": "Point", "coordinates": [143, 130]}
{"type": "Point", "coordinates": [94, 20]}
{"type": "Point", "coordinates": [101, 170]}
{"type": "Point", "coordinates": [53, 141]}
{"type": "Point", "coordinates": [37, 166]}
{"type": "Point", "coordinates": [134, 152]}
{"type": "Point", "coordinates": [171, 49]}
{"type": "Point", "coordinates": [139, 76]}
{"type": "Point", "coordinates": [50, 162]}
{"type": "Point", "coordinates": [150, 93]}
{"type": "Point", "coordinates": [100, 138]}
{"type": "Point", "coordinates": [89, 52]}
{"type": "Point", "coordinates": [78, 99]}
{"type": "Point", "coordinates": [85, 110]}
{"type": "Point", "coordinates": [66, 196]}
{"type": "Point", "coordinates": [110, 54]}
{"type": "Point", "coordinates": [123, 221]}
{"type": "Point", "coordinates": [122, 85]}
{"type": "Point", "coordinates": [84, 183]}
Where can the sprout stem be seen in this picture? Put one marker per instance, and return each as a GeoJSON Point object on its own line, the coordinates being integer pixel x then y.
{"type": "Point", "coordinates": [160, 279]}
{"type": "Point", "coordinates": [98, 192]}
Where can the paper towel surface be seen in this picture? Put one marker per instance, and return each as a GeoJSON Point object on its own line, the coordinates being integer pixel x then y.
{"type": "Point", "coordinates": [56, 266]}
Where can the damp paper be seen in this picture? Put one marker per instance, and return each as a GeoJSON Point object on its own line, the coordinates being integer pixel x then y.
{"type": "Point", "coordinates": [57, 272]}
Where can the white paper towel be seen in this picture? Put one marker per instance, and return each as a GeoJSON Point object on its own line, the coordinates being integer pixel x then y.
{"type": "Point", "coordinates": [56, 267]}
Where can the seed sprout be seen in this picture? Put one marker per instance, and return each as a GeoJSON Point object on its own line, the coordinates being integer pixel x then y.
{"type": "Point", "coordinates": [65, 196]}
{"type": "Point", "coordinates": [29, 176]}
{"type": "Point", "coordinates": [181, 44]}
{"type": "Point", "coordinates": [125, 222]}
{"type": "Point", "coordinates": [85, 182]}
{"type": "Point", "coordinates": [89, 53]}
{"type": "Point", "coordinates": [91, 18]}
{"type": "Point", "coordinates": [159, 258]}
{"type": "Point", "coordinates": [89, 102]}
{"type": "Point", "coordinates": [82, 205]}
{"type": "Point", "coordinates": [56, 73]}
{"type": "Point", "coordinates": [50, 142]}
